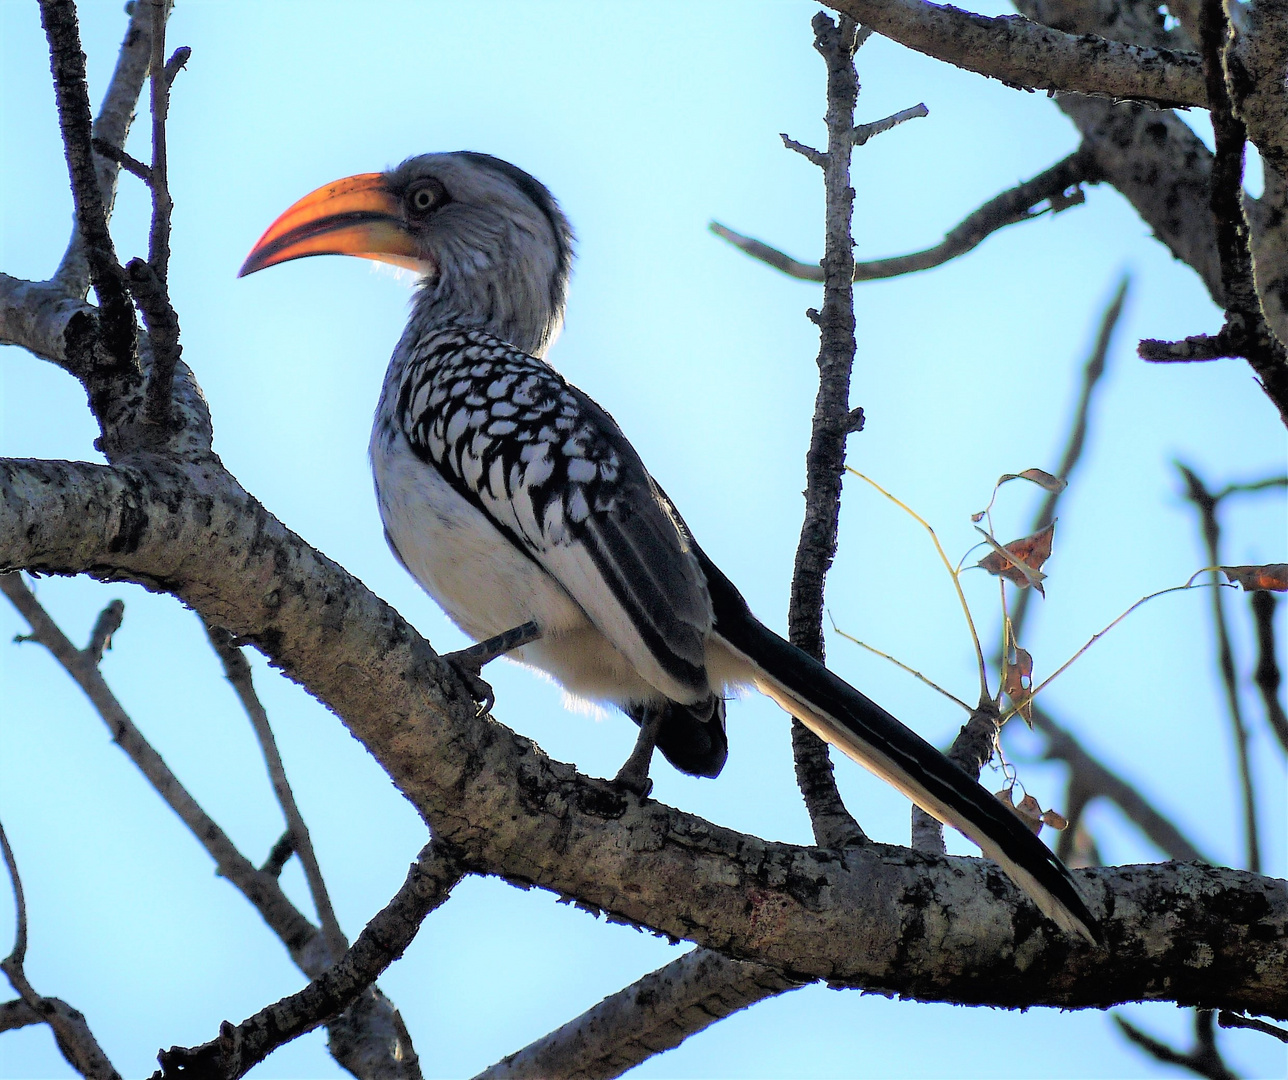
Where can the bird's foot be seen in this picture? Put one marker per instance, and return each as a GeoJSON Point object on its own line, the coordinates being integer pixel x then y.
{"type": "Point", "coordinates": [633, 775]}
{"type": "Point", "coordinates": [480, 689]}
{"type": "Point", "coordinates": [634, 780]}
{"type": "Point", "coordinates": [467, 663]}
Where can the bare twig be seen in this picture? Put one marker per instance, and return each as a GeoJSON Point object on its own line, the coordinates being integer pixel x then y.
{"type": "Point", "coordinates": [67, 62]}
{"type": "Point", "coordinates": [1098, 780]}
{"type": "Point", "coordinates": [1058, 186]}
{"type": "Point", "coordinates": [1267, 675]}
{"type": "Point", "coordinates": [1251, 487]}
{"type": "Point", "coordinates": [1204, 1060]}
{"type": "Point", "coordinates": [162, 205]}
{"type": "Point", "coordinates": [1092, 373]}
{"type": "Point", "coordinates": [18, 954]}
{"type": "Point", "coordinates": [261, 889]}
{"type": "Point", "coordinates": [71, 1032]}
{"type": "Point", "coordinates": [1206, 505]}
{"type": "Point", "coordinates": [279, 855]}
{"type": "Point", "coordinates": [238, 1049]}
{"type": "Point", "coordinates": [825, 459]}
{"type": "Point", "coordinates": [372, 1030]}
{"type": "Point", "coordinates": [1233, 1020]}
{"type": "Point", "coordinates": [1030, 55]}
{"type": "Point", "coordinates": [238, 672]}
{"type": "Point", "coordinates": [100, 638]}
{"type": "Point", "coordinates": [177, 62]}
{"type": "Point", "coordinates": [127, 162]}
{"type": "Point", "coordinates": [814, 157]}
{"type": "Point", "coordinates": [863, 132]}
{"type": "Point", "coordinates": [656, 1013]}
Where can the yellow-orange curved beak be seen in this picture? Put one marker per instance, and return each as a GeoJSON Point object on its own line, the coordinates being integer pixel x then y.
{"type": "Point", "coordinates": [353, 216]}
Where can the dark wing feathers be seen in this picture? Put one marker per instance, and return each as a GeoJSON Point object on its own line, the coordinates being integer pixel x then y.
{"type": "Point", "coordinates": [575, 496]}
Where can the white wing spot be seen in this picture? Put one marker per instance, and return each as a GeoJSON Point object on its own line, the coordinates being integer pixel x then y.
{"type": "Point", "coordinates": [581, 471]}
{"type": "Point", "coordinates": [577, 508]}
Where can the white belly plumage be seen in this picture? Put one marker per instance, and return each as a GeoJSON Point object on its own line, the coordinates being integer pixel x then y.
{"type": "Point", "coordinates": [487, 585]}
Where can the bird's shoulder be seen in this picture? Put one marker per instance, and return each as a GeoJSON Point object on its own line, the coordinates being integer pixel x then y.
{"type": "Point", "coordinates": [504, 423]}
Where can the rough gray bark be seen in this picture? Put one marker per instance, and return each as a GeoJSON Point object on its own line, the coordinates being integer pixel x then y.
{"type": "Point", "coordinates": [879, 918]}
{"type": "Point", "coordinates": [654, 1014]}
{"type": "Point", "coordinates": [1028, 54]}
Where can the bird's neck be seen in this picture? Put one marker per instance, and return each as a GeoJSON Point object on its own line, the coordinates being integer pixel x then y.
{"type": "Point", "coordinates": [519, 301]}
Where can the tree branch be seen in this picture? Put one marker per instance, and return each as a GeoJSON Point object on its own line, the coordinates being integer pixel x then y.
{"type": "Point", "coordinates": [874, 917]}
{"type": "Point", "coordinates": [71, 1032]}
{"type": "Point", "coordinates": [1267, 675]}
{"type": "Point", "coordinates": [237, 671]}
{"type": "Point", "coordinates": [1097, 779]}
{"type": "Point", "coordinates": [1204, 1060]}
{"type": "Point", "coordinates": [112, 128]}
{"type": "Point", "coordinates": [833, 825]}
{"type": "Point", "coordinates": [1245, 325]}
{"type": "Point", "coordinates": [1058, 186]}
{"type": "Point", "coordinates": [67, 62]}
{"type": "Point", "coordinates": [370, 1039]}
{"type": "Point", "coordinates": [238, 1049]}
{"type": "Point", "coordinates": [1206, 505]}
{"type": "Point", "coordinates": [1032, 56]}
{"type": "Point", "coordinates": [656, 1013]}
{"type": "Point", "coordinates": [1234, 1020]}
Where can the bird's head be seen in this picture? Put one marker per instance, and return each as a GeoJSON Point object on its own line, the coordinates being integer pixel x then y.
{"type": "Point", "coordinates": [492, 246]}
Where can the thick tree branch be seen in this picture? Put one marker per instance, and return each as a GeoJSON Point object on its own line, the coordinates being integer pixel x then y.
{"type": "Point", "coordinates": [825, 458]}
{"type": "Point", "coordinates": [656, 1013]}
{"type": "Point", "coordinates": [1032, 56]}
{"type": "Point", "coordinates": [1058, 186]}
{"type": "Point", "coordinates": [1246, 331]}
{"type": "Point", "coordinates": [873, 917]}
{"type": "Point", "coordinates": [238, 1049]}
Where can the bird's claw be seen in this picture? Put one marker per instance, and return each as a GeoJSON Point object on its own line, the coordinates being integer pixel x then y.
{"type": "Point", "coordinates": [480, 689]}
{"type": "Point", "coordinates": [468, 662]}
{"type": "Point", "coordinates": [633, 782]}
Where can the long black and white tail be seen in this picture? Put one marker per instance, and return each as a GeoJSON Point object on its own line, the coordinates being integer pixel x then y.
{"type": "Point", "coordinates": [865, 732]}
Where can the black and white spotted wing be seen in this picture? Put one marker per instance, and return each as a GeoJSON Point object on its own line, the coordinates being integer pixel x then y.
{"type": "Point", "coordinates": [554, 473]}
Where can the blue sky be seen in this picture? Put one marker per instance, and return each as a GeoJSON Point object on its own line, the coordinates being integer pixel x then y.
{"type": "Point", "coordinates": [646, 120]}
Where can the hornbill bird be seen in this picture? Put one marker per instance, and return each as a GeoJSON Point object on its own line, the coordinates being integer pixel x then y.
{"type": "Point", "coordinates": [514, 499]}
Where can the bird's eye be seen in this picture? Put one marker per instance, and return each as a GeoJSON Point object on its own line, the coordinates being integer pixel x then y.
{"type": "Point", "coordinates": [425, 196]}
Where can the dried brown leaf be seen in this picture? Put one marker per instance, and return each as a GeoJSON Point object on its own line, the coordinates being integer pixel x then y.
{"type": "Point", "coordinates": [1022, 562]}
{"type": "Point", "coordinates": [1041, 477]}
{"type": "Point", "coordinates": [1055, 819]}
{"type": "Point", "coordinates": [1270, 578]}
{"type": "Point", "coordinates": [1030, 812]}
{"type": "Point", "coordinates": [1017, 683]}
